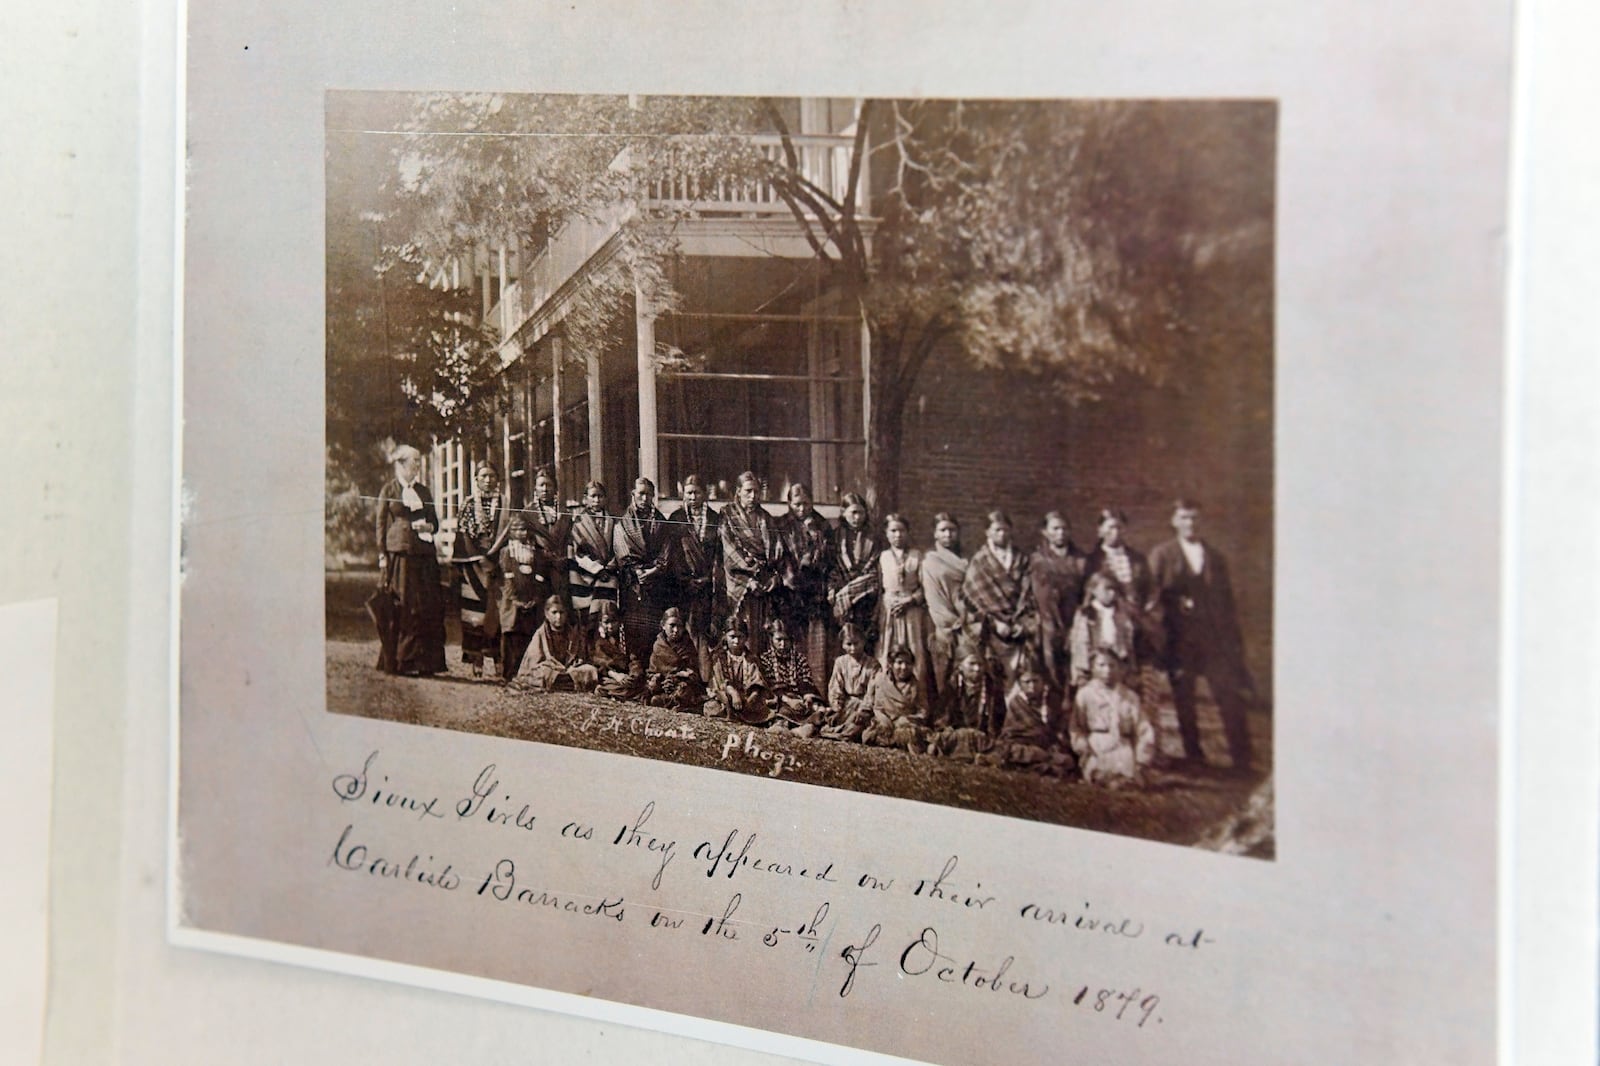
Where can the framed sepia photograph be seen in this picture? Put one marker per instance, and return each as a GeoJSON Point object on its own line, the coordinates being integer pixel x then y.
{"type": "Point", "coordinates": [832, 379]}
{"type": "Point", "coordinates": [864, 535]}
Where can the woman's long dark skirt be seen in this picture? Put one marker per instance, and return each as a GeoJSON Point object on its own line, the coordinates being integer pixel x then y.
{"type": "Point", "coordinates": [420, 647]}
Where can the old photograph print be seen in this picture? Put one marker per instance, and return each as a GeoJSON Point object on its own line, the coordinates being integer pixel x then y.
{"type": "Point", "coordinates": [918, 447]}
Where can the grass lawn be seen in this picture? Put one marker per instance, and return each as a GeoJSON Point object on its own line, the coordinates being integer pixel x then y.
{"type": "Point", "coordinates": [1195, 808]}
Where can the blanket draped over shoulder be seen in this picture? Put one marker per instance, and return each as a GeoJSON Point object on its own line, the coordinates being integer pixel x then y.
{"type": "Point", "coordinates": [943, 571]}
{"type": "Point", "coordinates": [998, 593]}
{"type": "Point", "coordinates": [591, 572]}
{"type": "Point", "coordinates": [749, 551]}
{"type": "Point", "coordinates": [640, 537]}
{"type": "Point", "coordinates": [480, 534]}
{"type": "Point", "coordinates": [854, 583]}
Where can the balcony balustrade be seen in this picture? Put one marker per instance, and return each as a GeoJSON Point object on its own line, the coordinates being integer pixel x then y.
{"type": "Point", "coordinates": [823, 160]}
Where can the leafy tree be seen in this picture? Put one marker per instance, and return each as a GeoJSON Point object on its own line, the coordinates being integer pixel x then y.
{"type": "Point", "coordinates": [1081, 242]}
{"type": "Point", "coordinates": [447, 365]}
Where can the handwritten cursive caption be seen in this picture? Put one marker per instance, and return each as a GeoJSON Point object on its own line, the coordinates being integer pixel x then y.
{"type": "Point", "coordinates": [937, 927]}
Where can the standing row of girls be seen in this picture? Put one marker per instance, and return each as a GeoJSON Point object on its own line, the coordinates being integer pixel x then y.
{"type": "Point", "coordinates": [794, 586]}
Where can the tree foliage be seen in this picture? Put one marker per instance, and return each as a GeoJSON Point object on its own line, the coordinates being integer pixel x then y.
{"type": "Point", "coordinates": [447, 359]}
{"type": "Point", "coordinates": [1080, 242]}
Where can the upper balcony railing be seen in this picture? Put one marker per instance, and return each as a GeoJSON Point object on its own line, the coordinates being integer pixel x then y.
{"type": "Point", "coordinates": [823, 160]}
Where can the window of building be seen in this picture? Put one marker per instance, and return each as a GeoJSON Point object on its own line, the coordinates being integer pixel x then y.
{"type": "Point", "coordinates": [777, 394]}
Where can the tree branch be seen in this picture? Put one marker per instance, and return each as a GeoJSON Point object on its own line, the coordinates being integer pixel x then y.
{"type": "Point", "coordinates": [792, 195]}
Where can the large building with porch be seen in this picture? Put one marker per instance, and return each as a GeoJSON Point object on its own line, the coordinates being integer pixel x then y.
{"type": "Point", "coordinates": [757, 366]}
{"type": "Point", "coordinates": [760, 366]}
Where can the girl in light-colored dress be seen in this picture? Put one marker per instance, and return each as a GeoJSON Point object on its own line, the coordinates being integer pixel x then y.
{"type": "Point", "coordinates": [903, 620]}
{"type": "Point", "coordinates": [943, 569]}
{"type": "Point", "coordinates": [853, 671]}
{"type": "Point", "coordinates": [1110, 735]}
{"type": "Point", "coordinates": [899, 706]}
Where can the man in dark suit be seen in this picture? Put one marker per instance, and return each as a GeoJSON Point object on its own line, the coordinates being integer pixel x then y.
{"type": "Point", "coordinates": [1195, 597]}
{"type": "Point", "coordinates": [406, 525]}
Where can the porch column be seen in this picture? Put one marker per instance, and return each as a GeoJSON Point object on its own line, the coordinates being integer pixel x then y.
{"type": "Point", "coordinates": [866, 387]}
{"type": "Point", "coordinates": [506, 383]}
{"type": "Point", "coordinates": [555, 408]}
{"type": "Point", "coordinates": [505, 326]}
{"type": "Point", "coordinates": [591, 365]}
{"type": "Point", "coordinates": [820, 423]}
{"type": "Point", "coordinates": [645, 329]}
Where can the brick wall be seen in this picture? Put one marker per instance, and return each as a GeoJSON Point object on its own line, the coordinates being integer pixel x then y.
{"type": "Point", "coordinates": [978, 439]}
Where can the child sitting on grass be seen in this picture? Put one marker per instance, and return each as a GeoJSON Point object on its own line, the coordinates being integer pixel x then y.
{"type": "Point", "coordinates": [848, 713]}
{"type": "Point", "coordinates": [737, 688]}
{"type": "Point", "coordinates": [1113, 740]}
{"type": "Point", "coordinates": [791, 693]}
{"type": "Point", "coordinates": [971, 700]}
{"type": "Point", "coordinates": [1031, 736]}
{"type": "Point", "coordinates": [899, 705]}
{"type": "Point", "coordinates": [674, 667]}
{"type": "Point", "coordinates": [559, 655]}
{"type": "Point", "coordinates": [969, 712]}
{"type": "Point", "coordinates": [621, 676]}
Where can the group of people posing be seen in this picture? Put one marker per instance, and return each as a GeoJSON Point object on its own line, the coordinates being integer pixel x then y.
{"type": "Point", "coordinates": [836, 629]}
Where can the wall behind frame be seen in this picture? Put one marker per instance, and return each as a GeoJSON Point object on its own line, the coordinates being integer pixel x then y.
{"type": "Point", "coordinates": [68, 198]}
{"type": "Point", "coordinates": [119, 993]}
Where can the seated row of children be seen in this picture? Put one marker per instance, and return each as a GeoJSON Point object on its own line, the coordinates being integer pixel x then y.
{"type": "Point", "coordinates": [1105, 735]}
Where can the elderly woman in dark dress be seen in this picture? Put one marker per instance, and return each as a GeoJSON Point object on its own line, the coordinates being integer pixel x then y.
{"type": "Point", "coordinates": [751, 556]}
{"type": "Point", "coordinates": [406, 526]}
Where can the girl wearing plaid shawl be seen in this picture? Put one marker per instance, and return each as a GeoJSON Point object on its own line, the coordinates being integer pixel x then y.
{"type": "Point", "coordinates": [592, 562]}
{"type": "Point", "coordinates": [791, 691]}
{"type": "Point", "coordinates": [805, 537]}
{"type": "Point", "coordinates": [853, 585]}
{"type": "Point", "coordinates": [641, 551]}
{"type": "Point", "coordinates": [480, 534]}
{"type": "Point", "coordinates": [675, 667]}
{"type": "Point", "coordinates": [1004, 621]}
{"type": "Point", "coordinates": [750, 556]}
